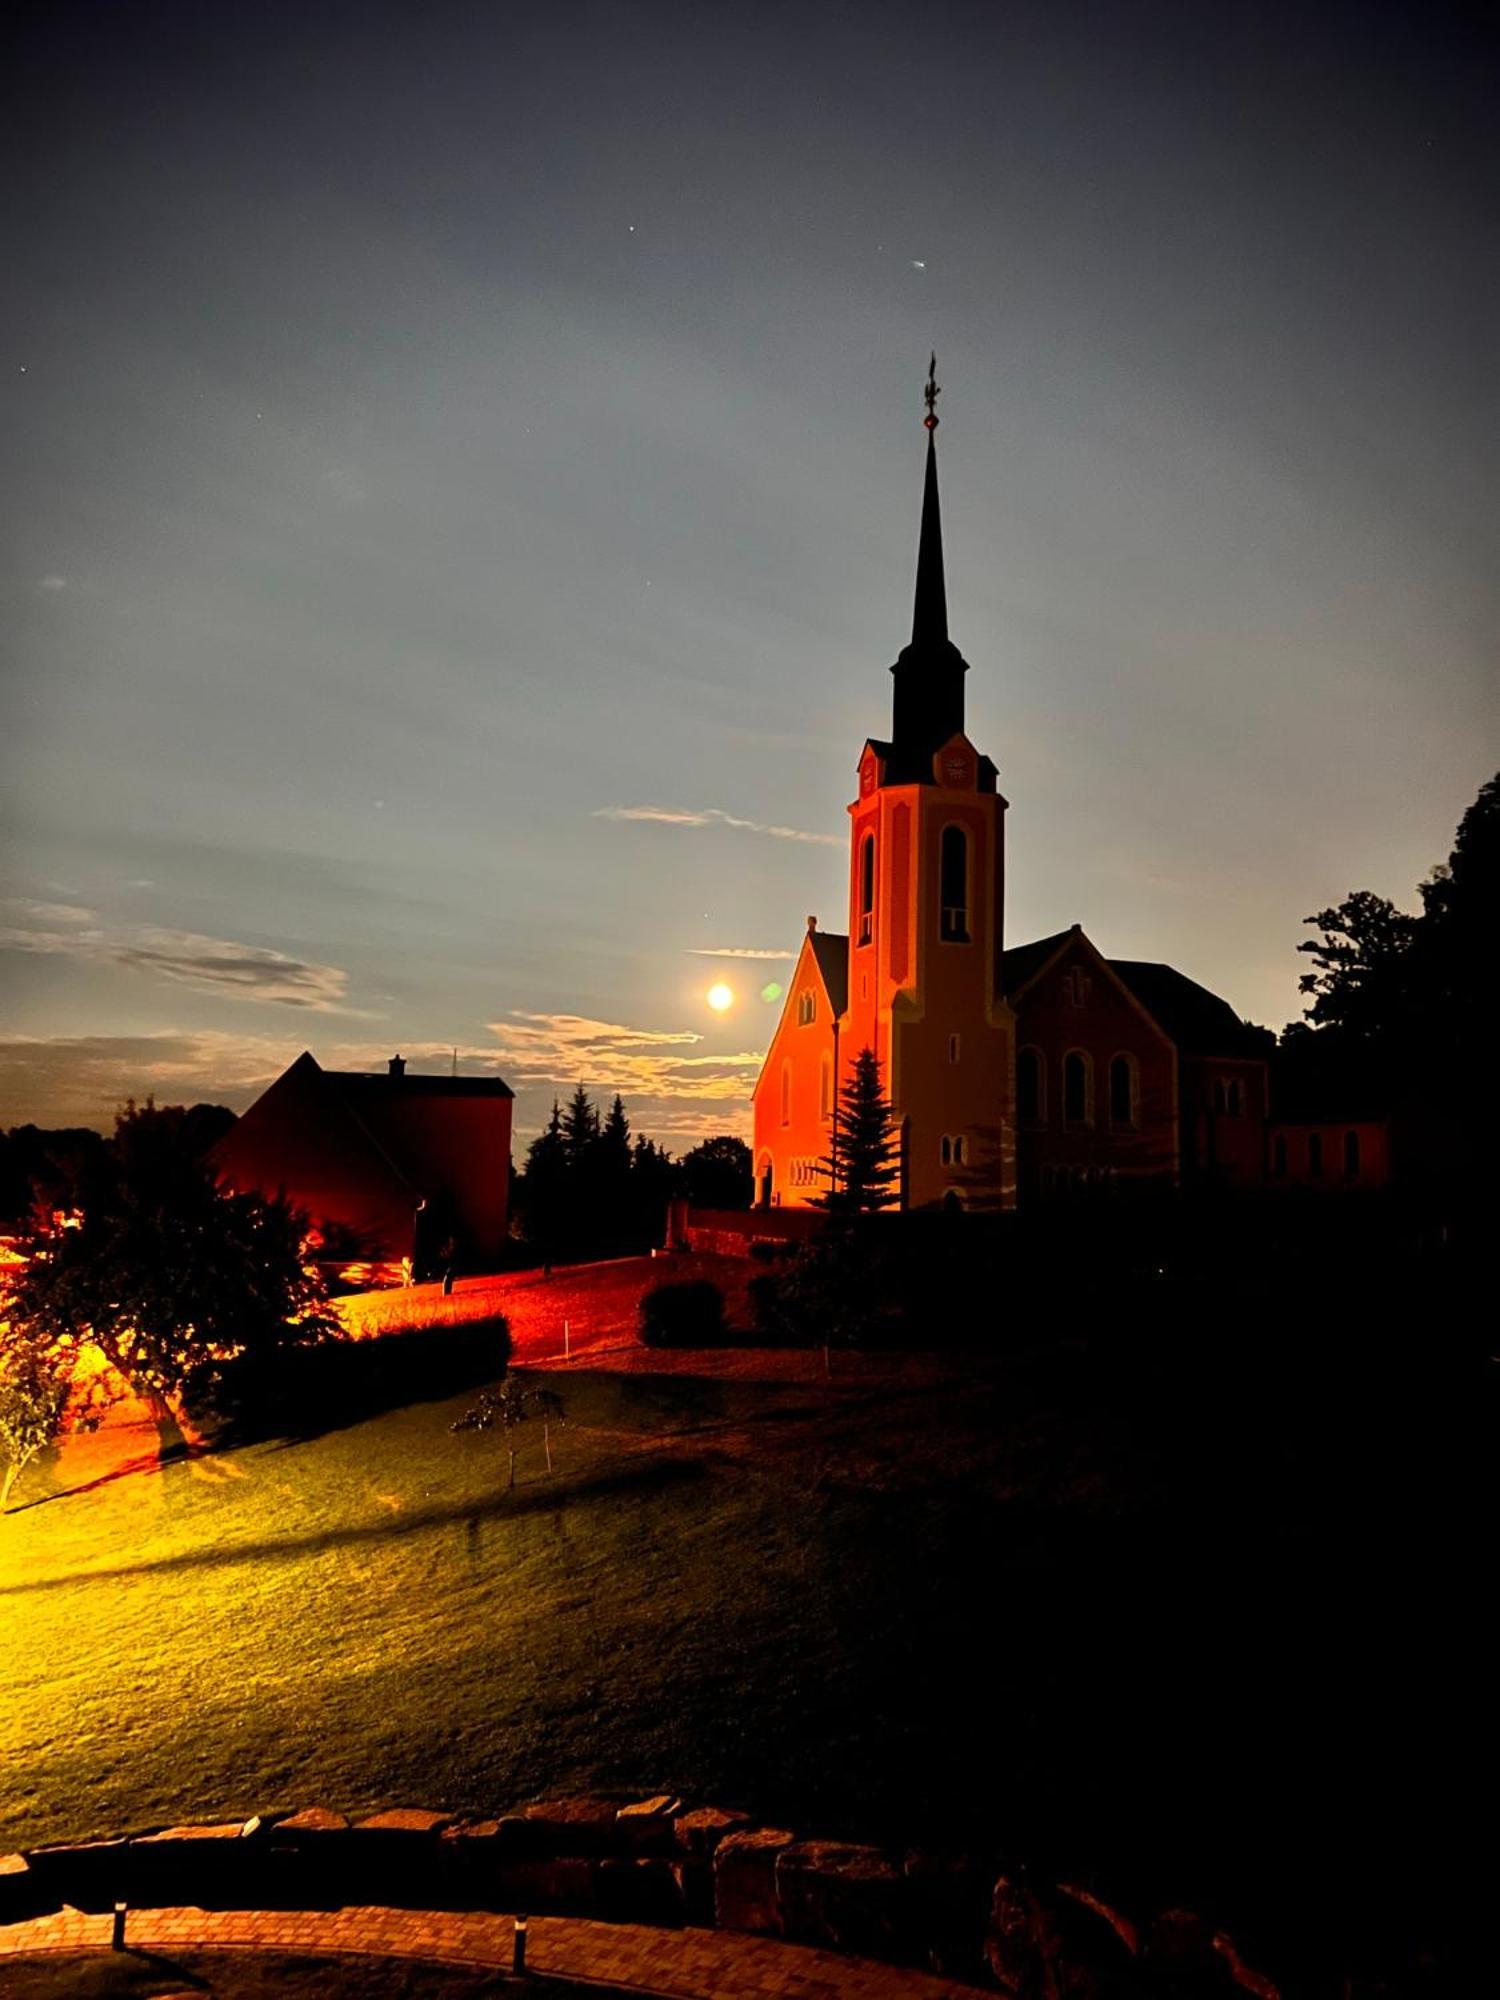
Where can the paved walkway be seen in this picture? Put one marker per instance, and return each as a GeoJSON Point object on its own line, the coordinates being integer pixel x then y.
{"type": "Point", "coordinates": [680, 1965]}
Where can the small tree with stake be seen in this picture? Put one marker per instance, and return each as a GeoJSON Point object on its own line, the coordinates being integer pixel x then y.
{"type": "Point", "coordinates": [506, 1408]}
{"type": "Point", "coordinates": [863, 1168]}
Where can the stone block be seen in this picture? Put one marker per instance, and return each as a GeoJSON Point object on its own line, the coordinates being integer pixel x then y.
{"type": "Point", "coordinates": [547, 1885]}
{"type": "Point", "coordinates": [745, 1879]}
{"type": "Point", "coordinates": [21, 1893]}
{"type": "Point", "coordinates": [405, 1819]}
{"type": "Point", "coordinates": [1057, 1945]}
{"type": "Point", "coordinates": [90, 1875]}
{"type": "Point", "coordinates": [311, 1820]}
{"type": "Point", "coordinates": [694, 1876]}
{"type": "Point", "coordinates": [1181, 1962]}
{"type": "Point", "coordinates": [586, 1826]}
{"type": "Point", "coordinates": [948, 1909]}
{"type": "Point", "coordinates": [644, 1826]}
{"type": "Point", "coordinates": [843, 1896]}
{"type": "Point", "coordinates": [639, 1890]}
{"type": "Point", "coordinates": [210, 1867]}
{"type": "Point", "coordinates": [700, 1831]}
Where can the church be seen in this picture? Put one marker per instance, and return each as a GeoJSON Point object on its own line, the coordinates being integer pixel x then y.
{"type": "Point", "coordinates": [1016, 1073]}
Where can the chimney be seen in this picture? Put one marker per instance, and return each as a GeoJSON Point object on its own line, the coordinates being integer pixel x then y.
{"type": "Point", "coordinates": [812, 923]}
{"type": "Point", "coordinates": [398, 1065]}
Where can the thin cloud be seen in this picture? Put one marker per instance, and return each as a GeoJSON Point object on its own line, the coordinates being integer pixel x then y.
{"type": "Point", "coordinates": [712, 816]}
{"type": "Point", "coordinates": [54, 582]}
{"type": "Point", "coordinates": [560, 1050]}
{"type": "Point", "coordinates": [736, 951]}
{"type": "Point", "coordinates": [212, 965]}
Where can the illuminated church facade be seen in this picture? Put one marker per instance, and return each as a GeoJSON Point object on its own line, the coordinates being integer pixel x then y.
{"type": "Point", "coordinates": [1015, 1072]}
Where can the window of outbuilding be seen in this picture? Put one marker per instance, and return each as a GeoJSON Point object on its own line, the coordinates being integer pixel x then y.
{"type": "Point", "coordinates": [1078, 1106]}
{"type": "Point", "coordinates": [1123, 1091]}
{"type": "Point", "coordinates": [1315, 1156]}
{"type": "Point", "coordinates": [1351, 1156]}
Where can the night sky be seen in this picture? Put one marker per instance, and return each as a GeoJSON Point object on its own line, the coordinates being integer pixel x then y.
{"type": "Point", "coordinates": [460, 469]}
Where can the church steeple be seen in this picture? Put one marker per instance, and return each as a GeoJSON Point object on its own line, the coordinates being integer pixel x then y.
{"type": "Point", "coordinates": [929, 699]}
{"type": "Point", "coordinates": [929, 618]}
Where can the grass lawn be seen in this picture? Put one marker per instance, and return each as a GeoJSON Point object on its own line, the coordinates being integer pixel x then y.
{"type": "Point", "coordinates": [1133, 1621]}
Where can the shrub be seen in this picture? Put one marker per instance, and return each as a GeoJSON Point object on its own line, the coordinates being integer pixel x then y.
{"type": "Point", "coordinates": [689, 1313]}
{"type": "Point", "coordinates": [312, 1389]}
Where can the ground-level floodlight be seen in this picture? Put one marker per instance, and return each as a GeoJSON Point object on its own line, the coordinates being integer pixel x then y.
{"type": "Point", "coordinates": [518, 1952]}
{"type": "Point", "coordinates": [117, 1934]}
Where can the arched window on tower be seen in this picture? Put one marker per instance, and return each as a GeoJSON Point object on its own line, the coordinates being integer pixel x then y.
{"type": "Point", "coordinates": [954, 890]}
{"type": "Point", "coordinates": [1031, 1097]}
{"type": "Point", "coordinates": [867, 888]}
{"type": "Point", "coordinates": [1078, 1106]}
{"type": "Point", "coordinates": [786, 1093]}
{"type": "Point", "coordinates": [825, 1088]}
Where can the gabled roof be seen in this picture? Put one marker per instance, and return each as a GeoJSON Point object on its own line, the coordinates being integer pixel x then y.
{"type": "Point", "coordinates": [832, 953]}
{"type": "Point", "coordinates": [358, 1086]}
{"type": "Point", "coordinates": [1023, 961]}
{"type": "Point", "coordinates": [1199, 1022]}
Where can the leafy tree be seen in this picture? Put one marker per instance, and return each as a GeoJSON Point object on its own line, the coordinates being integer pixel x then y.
{"type": "Point", "coordinates": [33, 1396]}
{"type": "Point", "coordinates": [172, 1279]}
{"type": "Point", "coordinates": [863, 1168]}
{"type": "Point", "coordinates": [1364, 963]}
{"type": "Point", "coordinates": [1400, 1014]}
{"type": "Point", "coordinates": [718, 1174]}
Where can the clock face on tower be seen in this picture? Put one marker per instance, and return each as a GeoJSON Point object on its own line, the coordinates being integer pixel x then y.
{"type": "Point", "coordinates": [956, 770]}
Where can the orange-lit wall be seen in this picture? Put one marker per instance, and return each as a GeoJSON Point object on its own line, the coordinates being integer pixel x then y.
{"type": "Point", "coordinates": [910, 991]}
{"type": "Point", "coordinates": [1374, 1137]}
{"type": "Point", "coordinates": [1077, 1003]}
{"type": "Point", "coordinates": [1218, 1142]}
{"type": "Point", "coordinates": [293, 1141]}
{"type": "Point", "coordinates": [793, 1145]}
{"type": "Point", "coordinates": [460, 1144]}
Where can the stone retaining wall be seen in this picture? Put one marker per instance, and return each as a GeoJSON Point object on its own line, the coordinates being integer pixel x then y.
{"type": "Point", "coordinates": [655, 1861]}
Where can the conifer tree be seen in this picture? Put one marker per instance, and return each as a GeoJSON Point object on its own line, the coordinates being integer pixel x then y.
{"type": "Point", "coordinates": [580, 1127]}
{"type": "Point", "coordinates": [863, 1168]}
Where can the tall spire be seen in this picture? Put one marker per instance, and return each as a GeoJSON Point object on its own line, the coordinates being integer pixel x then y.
{"type": "Point", "coordinates": [930, 611]}
{"type": "Point", "coordinates": [929, 694]}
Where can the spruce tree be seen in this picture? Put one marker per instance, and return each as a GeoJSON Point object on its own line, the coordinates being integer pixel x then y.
{"type": "Point", "coordinates": [863, 1168]}
{"type": "Point", "coordinates": [580, 1128]}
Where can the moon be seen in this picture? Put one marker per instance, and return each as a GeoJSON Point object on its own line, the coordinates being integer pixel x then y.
{"type": "Point", "coordinates": [720, 997]}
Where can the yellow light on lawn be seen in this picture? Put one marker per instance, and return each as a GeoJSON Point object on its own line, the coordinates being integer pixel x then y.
{"type": "Point", "coordinates": [720, 998]}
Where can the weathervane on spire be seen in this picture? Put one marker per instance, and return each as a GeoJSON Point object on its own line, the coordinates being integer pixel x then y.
{"type": "Point", "coordinates": [930, 395]}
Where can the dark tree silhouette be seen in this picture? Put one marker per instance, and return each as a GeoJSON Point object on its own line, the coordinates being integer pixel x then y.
{"type": "Point", "coordinates": [580, 1128]}
{"type": "Point", "coordinates": [717, 1174]}
{"type": "Point", "coordinates": [1399, 1015]}
{"type": "Point", "coordinates": [174, 1280]}
{"type": "Point", "coordinates": [863, 1166]}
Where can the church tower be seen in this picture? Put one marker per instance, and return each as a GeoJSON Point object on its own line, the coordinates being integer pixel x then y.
{"type": "Point", "coordinates": [918, 978]}
{"type": "Point", "coordinates": [926, 910]}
